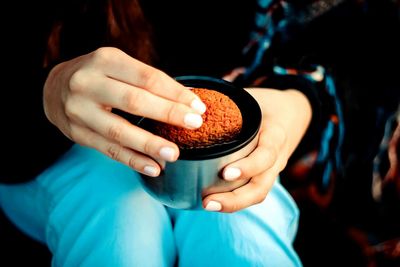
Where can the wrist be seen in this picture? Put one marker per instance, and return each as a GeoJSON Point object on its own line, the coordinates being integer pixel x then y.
{"type": "Point", "coordinates": [289, 108]}
{"type": "Point", "coordinates": [304, 104]}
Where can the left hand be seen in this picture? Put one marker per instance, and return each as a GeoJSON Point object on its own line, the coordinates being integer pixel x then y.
{"type": "Point", "coordinates": [286, 116]}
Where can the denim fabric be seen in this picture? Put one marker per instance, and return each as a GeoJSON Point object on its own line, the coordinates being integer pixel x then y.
{"type": "Point", "coordinates": [92, 211]}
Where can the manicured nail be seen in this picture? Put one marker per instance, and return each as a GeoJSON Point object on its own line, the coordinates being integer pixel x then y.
{"type": "Point", "coordinates": [213, 206]}
{"type": "Point", "coordinates": [198, 106]}
{"type": "Point", "coordinates": [167, 153]}
{"type": "Point", "coordinates": [150, 171]}
{"type": "Point", "coordinates": [232, 173]}
{"type": "Point", "coordinates": [192, 120]}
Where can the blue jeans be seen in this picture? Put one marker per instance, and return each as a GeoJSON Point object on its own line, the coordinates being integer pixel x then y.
{"type": "Point", "coordinates": [92, 211]}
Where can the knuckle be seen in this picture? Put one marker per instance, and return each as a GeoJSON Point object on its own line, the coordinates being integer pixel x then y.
{"type": "Point", "coordinates": [103, 55]}
{"type": "Point", "coordinates": [78, 81]}
{"type": "Point", "coordinates": [71, 109]}
{"type": "Point", "coordinates": [280, 135]}
{"type": "Point", "coordinates": [147, 148]}
{"type": "Point", "coordinates": [114, 132]}
{"type": "Point", "coordinates": [114, 151]}
{"type": "Point", "coordinates": [263, 192]}
{"type": "Point", "coordinates": [272, 154]}
{"type": "Point", "coordinates": [283, 164]}
{"type": "Point", "coordinates": [283, 138]}
{"type": "Point", "coordinates": [234, 207]}
{"type": "Point", "coordinates": [171, 113]}
{"type": "Point", "coordinates": [131, 101]}
{"type": "Point", "coordinates": [150, 78]}
{"type": "Point", "coordinates": [260, 192]}
{"type": "Point", "coordinates": [236, 204]}
{"type": "Point", "coordinates": [133, 163]}
{"type": "Point", "coordinates": [260, 197]}
{"type": "Point", "coordinates": [78, 138]}
{"type": "Point", "coordinates": [184, 95]}
{"type": "Point", "coordinates": [251, 167]}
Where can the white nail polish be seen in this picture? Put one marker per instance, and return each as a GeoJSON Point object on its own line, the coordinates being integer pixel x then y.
{"type": "Point", "coordinates": [192, 120]}
{"type": "Point", "coordinates": [213, 206]}
{"type": "Point", "coordinates": [167, 153]}
{"type": "Point", "coordinates": [198, 106]}
{"type": "Point", "coordinates": [232, 173]}
{"type": "Point", "coordinates": [150, 170]}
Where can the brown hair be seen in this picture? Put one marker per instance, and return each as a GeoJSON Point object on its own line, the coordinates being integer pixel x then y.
{"type": "Point", "coordinates": [84, 26]}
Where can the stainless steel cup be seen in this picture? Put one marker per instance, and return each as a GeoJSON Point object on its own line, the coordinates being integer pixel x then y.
{"type": "Point", "coordinates": [197, 172]}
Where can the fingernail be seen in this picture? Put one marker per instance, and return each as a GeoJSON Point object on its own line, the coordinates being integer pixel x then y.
{"type": "Point", "coordinates": [150, 171]}
{"type": "Point", "coordinates": [192, 120]}
{"type": "Point", "coordinates": [231, 174]}
{"type": "Point", "coordinates": [167, 153]}
{"type": "Point", "coordinates": [213, 206]}
{"type": "Point", "coordinates": [198, 106]}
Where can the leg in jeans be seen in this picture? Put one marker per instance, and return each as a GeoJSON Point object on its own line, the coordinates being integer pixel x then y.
{"type": "Point", "coordinates": [261, 235]}
{"type": "Point", "coordinates": [92, 211]}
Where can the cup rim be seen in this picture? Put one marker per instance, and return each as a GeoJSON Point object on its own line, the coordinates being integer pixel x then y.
{"type": "Point", "coordinates": [251, 114]}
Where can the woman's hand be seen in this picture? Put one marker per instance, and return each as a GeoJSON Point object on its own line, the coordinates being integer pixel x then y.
{"type": "Point", "coordinates": [286, 116]}
{"type": "Point", "coordinates": [80, 94]}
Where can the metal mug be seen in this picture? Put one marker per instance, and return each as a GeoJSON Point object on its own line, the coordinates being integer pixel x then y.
{"type": "Point", "coordinates": [197, 172]}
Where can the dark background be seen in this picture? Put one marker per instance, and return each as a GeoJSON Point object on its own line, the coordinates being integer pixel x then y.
{"type": "Point", "coordinates": [329, 235]}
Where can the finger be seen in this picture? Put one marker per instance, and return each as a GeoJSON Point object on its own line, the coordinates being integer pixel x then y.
{"type": "Point", "coordinates": [140, 102]}
{"type": "Point", "coordinates": [120, 131]}
{"type": "Point", "coordinates": [254, 192]}
{"type": "Point", "coordinates": [119, 66]}
{"type": "Point", "coordinates": [261, 159]}
{"type": "Point", "coordinates": [271, 141]}
{"type": "Point", "coordinates": [135, 160]}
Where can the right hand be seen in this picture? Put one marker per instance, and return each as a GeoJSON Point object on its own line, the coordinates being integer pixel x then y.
{"type": "Point", "coordinates": [80, 94]}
